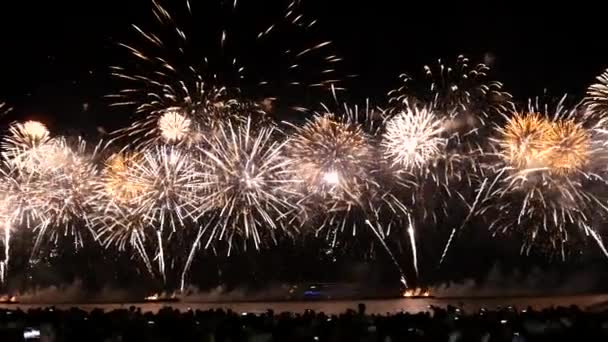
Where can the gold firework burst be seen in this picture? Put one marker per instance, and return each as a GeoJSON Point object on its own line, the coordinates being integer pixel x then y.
{"type": "Point", "coordinates": [116, 181]}
{"type": "Point", "coordinates": [330, 154]}
{"type": "Point", "coordinates": [523, 140]}
{"type": "Point", "coordinates": [568, 147]}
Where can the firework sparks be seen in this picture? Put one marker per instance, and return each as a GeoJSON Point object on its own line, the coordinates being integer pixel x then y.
{"type": "Point", "coordinates": [570, 147]}
{"type": "Point", "coordinates": [143, 194]}
{"type": "Point", "coordinates": [534, 142]}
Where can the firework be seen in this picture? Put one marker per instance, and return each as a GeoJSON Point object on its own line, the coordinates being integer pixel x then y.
{"type": "Point", "coordinates": [49, 182]}
{"type": "Point", "coordinates": [29, 146]}
{"type": "Point", "coordinates": [524, 140]}
{"type": "Point", "coordinates": [462, 93]}
{"type": "Point", "coordinates": [20, 206]}
{"type": "Point", "coordinates": [332, 158]}
{"type": "Point", "coordinates": [597, 96]}
{"type": "Point", "coordinates": [66, 193]}
{"type": "Point", "coordinates": [248, 181]}
{"type": "Point", "coordinates": [545, 180]}
{"type": "Point", "coordinates": [173, 126]}
{"type": "Point", "coordinates": [534, 142]}
{"type": "Point", "coordinates": [464, 102]}
{"type": "Point", "coordinates": [414, 138]}
{"type": "Point", "coordinates": [172, 74]}
{"type": "Point", "coordinates": [460, 103]}
{"type": "Point", "coordinates": [569, 147]}
{"type": "Point", "coordinates": [117, 219]}
{"type": "Point", "coordinates": [115, 183]}
{"type": "Point", "coordinates": [17, 207]}
{"type": "Point", "coordinates": [147, 194]}
{"type": "Point", "coordinates": [168, 183]}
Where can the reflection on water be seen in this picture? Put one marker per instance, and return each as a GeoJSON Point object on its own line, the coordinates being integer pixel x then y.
{"type": "Point", "coordinates": [373, 306]}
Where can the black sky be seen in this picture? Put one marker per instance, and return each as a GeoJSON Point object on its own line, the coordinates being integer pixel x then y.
{"type": "Point", "coordinates": [55, 54]}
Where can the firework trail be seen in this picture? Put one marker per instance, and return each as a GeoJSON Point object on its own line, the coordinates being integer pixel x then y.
{"type": "Point", "coordinates": [381, 238]}
{"type": "Point", "coordinates": [472, 211]}
{"type": "Point", "coordinates": [547, 171]}
{"type": "Point", "coordinates": [207, 73]}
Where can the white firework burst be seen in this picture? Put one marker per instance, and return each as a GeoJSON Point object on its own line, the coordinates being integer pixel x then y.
{"type": "Point", "coordinates": [29, 146]}
{"type": "Point", "coordinates": [248, 182]}
{"type": "Point", "coordinates": [169, 186]}
{"type": "Point", "coordinates": [173, 126]}
{"type": "Point", "coordinates": [414, 138]}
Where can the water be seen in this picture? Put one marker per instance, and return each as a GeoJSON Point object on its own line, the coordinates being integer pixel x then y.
{"type": "Point", "coordinates": [381, 306]}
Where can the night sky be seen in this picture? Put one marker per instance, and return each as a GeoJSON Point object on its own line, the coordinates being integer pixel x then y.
{"type": "Point", "coordinates": [55, 57]}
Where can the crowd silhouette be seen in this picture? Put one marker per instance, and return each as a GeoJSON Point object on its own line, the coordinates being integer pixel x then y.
{"type": "Point", "coordinates": [449, 324]}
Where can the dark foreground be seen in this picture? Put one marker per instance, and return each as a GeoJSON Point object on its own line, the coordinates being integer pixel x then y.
{"type": "Point", "coordinates": [437, 324]}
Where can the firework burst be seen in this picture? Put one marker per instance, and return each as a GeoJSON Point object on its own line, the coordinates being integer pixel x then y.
{"type": "Point", "coordinates": [146, 194]}
{"type": "Point", "coordinates": [66, 193]}
{"type": "Point", "coordinates": [462, 93]}
{"type": "Point", "coordinates": [333, 158]}
{"type": "Point", "coordinates": [523, 140]}
{"type": "Point", "coordinates": [597, 97]}
{"type": "Point", "coordinates": [29, 146]}
{"type": "Point", "coordinates": [340, 190]}
{"type": "Point", "coordinates": [117, 219]}
{"type": "Point", "coordinates": [169, 185]}
{"type": "Point", "coordinates": [544, 183]}
{"type": "Point", "coordinates": [205, 72]}
{"type": "Point", "coordinates": [174, 127]}
{"type": "Point", "coordinates": [414, 139]}
{"type": "Point", "coordinates": [248, 183]}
